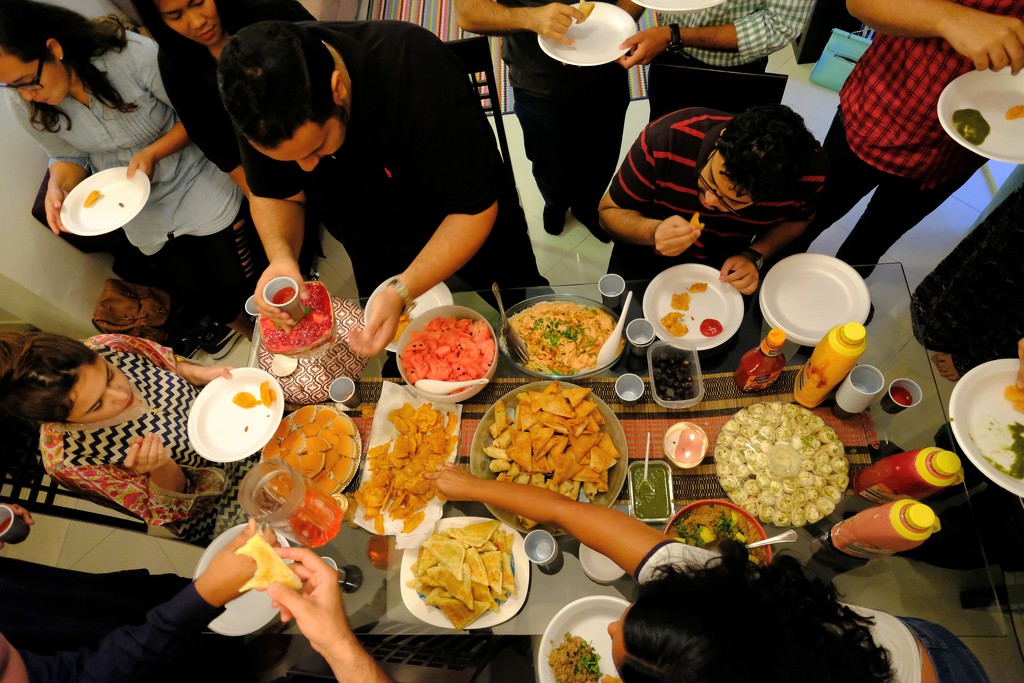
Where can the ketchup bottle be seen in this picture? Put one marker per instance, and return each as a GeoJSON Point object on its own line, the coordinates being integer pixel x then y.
{"type": "Point", "coordinates": [761, 366]}
{"type": "Point", "coordinates": [912, 474]}
{"type": "Point", "coordinates": [884, 529]}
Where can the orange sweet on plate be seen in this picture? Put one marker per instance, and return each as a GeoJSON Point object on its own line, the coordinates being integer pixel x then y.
{"type": "Point", "coordinates": [245, 400]}
{"type": "Point", "coordinates": [304, 416]}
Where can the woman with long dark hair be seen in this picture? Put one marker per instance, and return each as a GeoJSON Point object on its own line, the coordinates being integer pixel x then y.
{"type": "Point", "coordinates": [191, 34]}
{"type": "Point", "coordinates": [90, 94]}
{"type": "Point", "coordinates": [112, 415]}
{"type": "Point", "coordinates": [701, 617]}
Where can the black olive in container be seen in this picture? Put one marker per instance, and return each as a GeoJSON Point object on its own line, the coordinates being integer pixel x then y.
{"type": "Point", "coordinates": [676, 380]}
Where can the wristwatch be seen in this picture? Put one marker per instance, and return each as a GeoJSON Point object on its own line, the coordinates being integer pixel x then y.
{"type": "Point", "coordinates": [675, 43]}
{"type": "Point", "coordinates": [407, 301]}
{"type": "Point", "coordinates": [755, 256]}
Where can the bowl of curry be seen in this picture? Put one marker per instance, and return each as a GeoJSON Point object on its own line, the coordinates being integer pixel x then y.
{"type": "Point", "coordinates": [563, 335]}
{"type": "Point", "coordinates": [706, 523]}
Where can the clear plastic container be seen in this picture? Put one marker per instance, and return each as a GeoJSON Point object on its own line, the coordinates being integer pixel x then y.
{"type": "Point", "coordinates": [656, 494]}
{"type": "Point", "coordinates": [663, 356]}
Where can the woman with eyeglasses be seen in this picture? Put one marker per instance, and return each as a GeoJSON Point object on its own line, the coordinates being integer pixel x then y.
{"type": "Point", "coordinates": [91, 95]}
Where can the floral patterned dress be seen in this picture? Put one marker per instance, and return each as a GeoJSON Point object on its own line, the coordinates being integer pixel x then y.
{"type": "Point", "coordinates": [88, 458]}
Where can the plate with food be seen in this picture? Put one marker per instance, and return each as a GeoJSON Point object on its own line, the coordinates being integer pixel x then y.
{"type": "Point", "coordinates": [438, 295]}
{"type": "Point", "coordinates": [321, 442]}
{"type": "Point", "coordinates": [232, 418]}
{"type": "Point", "coordinates": [986, 411]}
{"type": "Point", "coordinates": [452, 344]}
{"type": "Point", "coordinates": [679, 6]}
{"type": "Point", "coordinates": [576, 645]}
{"type": "Point", "coordinates": [806, 295]}
{"type": "Point", "coordinates": [705, 523]}
{"type": "Point", "coordinates": [471, 573]}
{"type": "Point", "coordinates": [555, 435]}
{"type": "Point", "coordinates": [984, 112]}
{"type": "Point", "coordinates": [408, 437]}
{"type": "Point", "coordinates": [689, 303]}
{"type": "Point", "coordinates": [781, 463]}
{"type": "Point", "coordinates": [104, 201]}
{"type": "Point", "coordinates": [251, 610]}
{"type": "Point", "coordinates": [596, 40]}
{"type": "Point", "coordinates": [563, 335]}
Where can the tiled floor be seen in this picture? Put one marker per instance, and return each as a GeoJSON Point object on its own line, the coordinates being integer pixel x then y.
{"type": "Point", "coordinates": [576, 256]}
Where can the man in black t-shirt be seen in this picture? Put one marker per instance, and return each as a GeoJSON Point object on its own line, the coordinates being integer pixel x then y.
{"type": "Point", "coordinates": [375, 124]}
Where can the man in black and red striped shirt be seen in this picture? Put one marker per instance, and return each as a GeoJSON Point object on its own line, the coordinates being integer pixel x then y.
{"type": "Point", "coordinates": [754, 179]}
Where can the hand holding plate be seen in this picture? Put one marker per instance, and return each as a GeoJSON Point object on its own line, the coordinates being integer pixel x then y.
{"type": "Point", "coordinates": [991, 41]}
{"type": "Point", "coordinates": [643, 47]}
{"type": "Point", "coordinates": [228, 572]}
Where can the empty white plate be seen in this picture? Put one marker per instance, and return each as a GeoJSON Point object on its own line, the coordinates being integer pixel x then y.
{"type": "Point", "coordinates": [597, 39]}
{"type": "Point", "coordinates": [806, 295]}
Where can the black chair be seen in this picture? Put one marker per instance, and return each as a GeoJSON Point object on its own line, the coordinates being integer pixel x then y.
{"type": "Point", "coordinates": [24, 481]}
{"type": "Point", "coordinates": [673, 87]}
{"type": "Point", "coordinates": [475, 55]}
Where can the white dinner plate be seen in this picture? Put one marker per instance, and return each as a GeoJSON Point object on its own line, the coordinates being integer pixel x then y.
{"type": "Point", "coordinates": [678, 6]}
{"type": "Point", "coordinates": [981, 417]}
{"type": "Point", "coordinates": [222, 431]}
{"type": "Point", "coordinates": [438, 295]}
{"type": "Point", "coordinates": [121, 201]}
{"type": "Point", "coordinates": [806, 295]}
{"type": "Point", "coordinates": [248, 612]}
{"type": "Point", "coordinates": [991, 93]}
{"type": "Point", "coordinates": [720, 301]}
{"type": "Point", "coordinates": [587, 618]}
{"type": "Point", "coordinates": [508, 609]}
{"type": "Point", "coordinates": [597, 39]}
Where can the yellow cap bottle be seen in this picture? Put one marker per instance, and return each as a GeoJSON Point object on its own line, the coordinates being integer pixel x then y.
{"type": "Point", "coordinates": [832, 359]}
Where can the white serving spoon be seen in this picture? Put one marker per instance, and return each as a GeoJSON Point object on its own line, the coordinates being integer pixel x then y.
{"type": "Point", "coordinates": [443, 387]}
{"type": "Point", "coordinates": [610, 349]}
{"type": "Point", "coordinates": [784, 537]}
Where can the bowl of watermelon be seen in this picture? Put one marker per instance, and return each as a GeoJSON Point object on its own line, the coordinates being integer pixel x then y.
{"type": "Point", "coordinates": [448, 343]}
{"type": "Point", "coordinates": [314, 330]}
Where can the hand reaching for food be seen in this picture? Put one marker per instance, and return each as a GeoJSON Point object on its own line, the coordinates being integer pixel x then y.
{"type": "Point", "coordinates": [380, 328]}
{"type": "Point", "coordinates": [674, 235]}
{"type": "Point", "coordinates": [453, 482]}
{"type": "Point", "coordinates": [552, 21]}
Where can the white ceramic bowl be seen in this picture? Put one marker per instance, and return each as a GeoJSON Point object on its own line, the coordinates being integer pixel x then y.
{"type": "Point", "coordinates": [598, 567]}
{"type": "Point", "coordinates": [418, 324]}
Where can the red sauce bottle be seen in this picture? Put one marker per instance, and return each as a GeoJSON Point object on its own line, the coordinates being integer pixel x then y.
{"type": "Point", "coordinates": [762, 365]}
{"type": "Point", "coordinates": [913, 474]}
{"type": "Point", "coordinates": [884, 529]}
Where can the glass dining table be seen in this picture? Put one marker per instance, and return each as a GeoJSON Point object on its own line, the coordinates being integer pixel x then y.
{"type": "Point", "coordinates": [894, 584]}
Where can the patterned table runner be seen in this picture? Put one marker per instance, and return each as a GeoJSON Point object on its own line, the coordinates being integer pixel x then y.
{"type": "Point", "coordinates": [721, 400]}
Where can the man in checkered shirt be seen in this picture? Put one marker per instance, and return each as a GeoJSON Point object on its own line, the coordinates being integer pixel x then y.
{"type": "Point", "coordinates": [887, 134]}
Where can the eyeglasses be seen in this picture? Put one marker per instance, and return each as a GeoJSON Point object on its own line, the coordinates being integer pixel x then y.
{"type": "Point", "coordinates": [727, 204]}
{"type": "Point", "coordinates": [32, 85]}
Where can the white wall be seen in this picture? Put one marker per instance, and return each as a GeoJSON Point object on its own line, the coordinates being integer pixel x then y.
{"type": "Point", "coordinates": [43, 281]}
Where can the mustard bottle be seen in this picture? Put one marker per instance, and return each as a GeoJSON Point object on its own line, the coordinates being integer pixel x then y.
{"type": "Point", "coordinates": [832, 359]}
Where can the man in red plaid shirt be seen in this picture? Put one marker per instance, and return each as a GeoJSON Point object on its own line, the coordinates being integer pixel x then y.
{"type": "Point", "coordinates": [887, 133]}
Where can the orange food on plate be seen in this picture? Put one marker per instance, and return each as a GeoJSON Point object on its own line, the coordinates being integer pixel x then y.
{"type": "Point", "coordinates": [245, 400]}
{"type": "Point", "coordinates": [681, 301]}
{"type": "Point", "coordinates": [1015, 396]}
{"type": "Point", "coordinates": [1016, 112]}
{"type": "Point", "coordinates": [698, 287]}
{"type": "Point", "coordinates": [267, 394]}
{"type": "Point", "coordinates": [403, 322]}
{"type": "Point", "coordinates": [321, 443]}
{"type": "Point", "coordinates": [673, 322]}
{"type": "Point", "coordinates": [95, 195]}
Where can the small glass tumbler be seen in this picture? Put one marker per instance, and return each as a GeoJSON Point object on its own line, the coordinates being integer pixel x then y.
{"type": "Point", "coordinates": [611, 287]}
{"type": "Point", "coordinates": [345, 391]}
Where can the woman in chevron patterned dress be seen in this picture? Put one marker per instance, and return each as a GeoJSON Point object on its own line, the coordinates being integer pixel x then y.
{"type": "Point", "coordinates": [114, 413]}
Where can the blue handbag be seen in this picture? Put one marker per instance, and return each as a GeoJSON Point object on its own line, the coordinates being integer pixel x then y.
{"type": "Point", "coordinates": [838, 59]}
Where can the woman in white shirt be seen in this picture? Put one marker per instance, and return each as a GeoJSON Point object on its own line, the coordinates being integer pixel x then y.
{"type": "Point", "coordinates": [701, 617]}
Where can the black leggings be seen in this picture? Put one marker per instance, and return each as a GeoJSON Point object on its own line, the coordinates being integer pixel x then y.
{"type": "Point", "coordinates": [215, 273]}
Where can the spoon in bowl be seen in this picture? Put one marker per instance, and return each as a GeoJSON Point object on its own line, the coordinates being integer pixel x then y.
{"type": "Point", "coordinates": [647, 459]}
{"type": "Point", "coordinates": [610, 349]}
{"type": "Point", "coordinates": [443, 387]}
{"type": "Point", "coordinates": [784, 537]}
